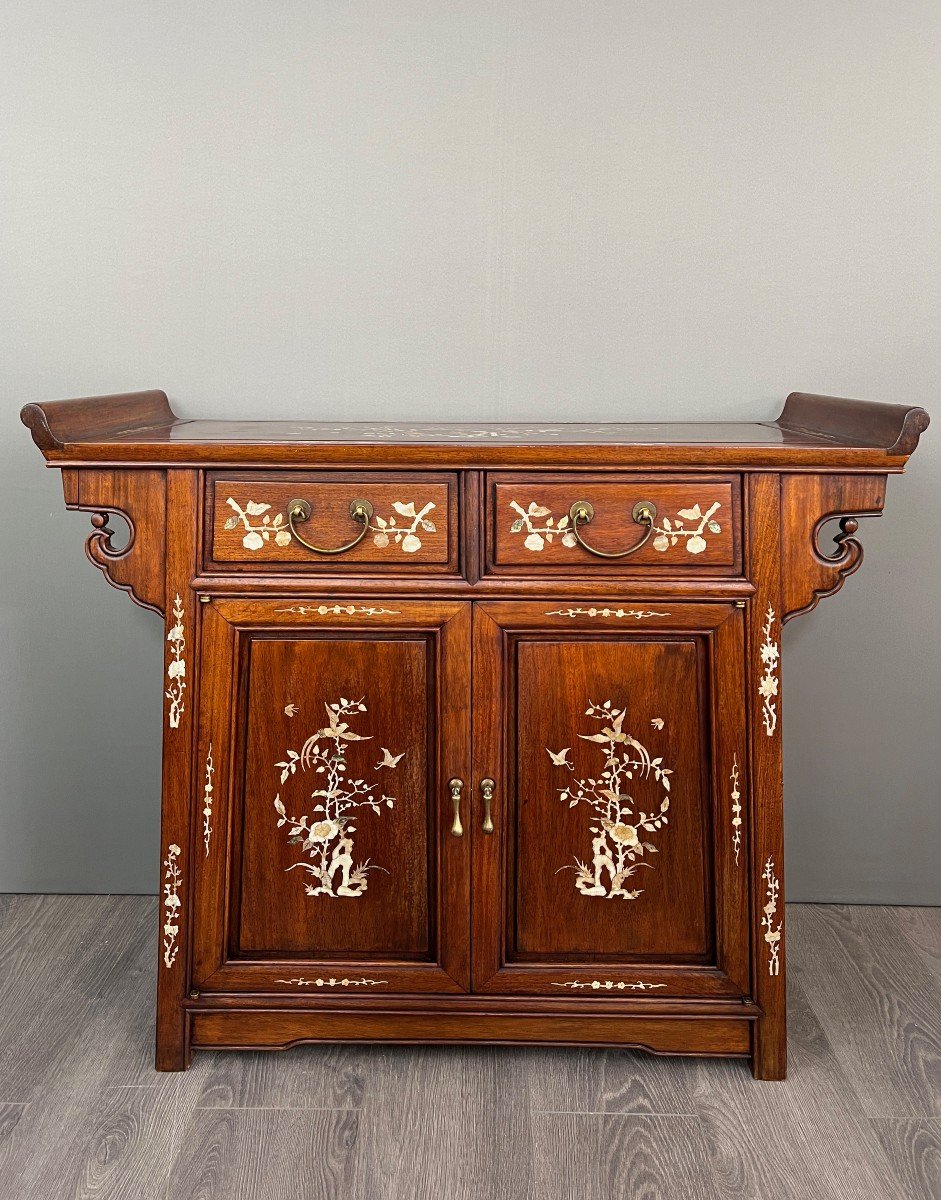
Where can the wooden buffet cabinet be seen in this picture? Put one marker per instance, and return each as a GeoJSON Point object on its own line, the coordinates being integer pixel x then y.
{"type": "Point", "coordinates": [471, 732]}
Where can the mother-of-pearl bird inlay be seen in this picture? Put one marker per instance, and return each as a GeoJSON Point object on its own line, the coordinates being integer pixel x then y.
{"type": "Point", "coordinates": [325, 835]}
{"type": "Point", "coordinates": [618, 822]}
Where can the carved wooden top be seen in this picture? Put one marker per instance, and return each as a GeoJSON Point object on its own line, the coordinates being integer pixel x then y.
{"type": "Point", "coordinates": [812, 431]}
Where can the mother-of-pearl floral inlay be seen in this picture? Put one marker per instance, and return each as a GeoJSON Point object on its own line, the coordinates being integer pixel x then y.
{"type": "Point", "coordinates": [608, 985]}
{"type": "Point", "coordinates": [172, 881]}
{"type": "Point", "coordinates": [736, 795]}
{"type": "Point", "coordinates": [326, 835]}
{"type": "Point", "coordinates": [176, 666]}
{"type": "Point", "coordinates": [768, 684]}
{"type": "Point", "coordinates": [772, 931]}
{"type": "Point", "coordinates": [639, 614]}
{"type": "Point", "coordinates": [259, 526]}
{"type": "Point", "coordinates": [337, 610]}
{"type": "Point", "coordinates": [688, 526]}
{"type": "Point", "coordinates": [207, 800]}
{"type": "Point", "coordinates": [302, 981]}
{"type": "Point", "coordinates": [618, 822]}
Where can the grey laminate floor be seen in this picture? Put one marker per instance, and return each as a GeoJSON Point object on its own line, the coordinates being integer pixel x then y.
{"type": "Point", "coordinates": [82, 1114]}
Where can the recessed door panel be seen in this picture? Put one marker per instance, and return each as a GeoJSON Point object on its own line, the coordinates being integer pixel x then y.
{"type": "Point", "coordinates": [335, 805]}
{"type": "Point", "coordinates": [609, 795]}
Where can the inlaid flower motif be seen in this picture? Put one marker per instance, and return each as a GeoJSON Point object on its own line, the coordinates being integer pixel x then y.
{"type": "Point", "coordinates": [176, 667]}
{"type": "Point", "coordinates": [768, 683]}
{"type": "Point", "coordinates": [624, 835]}
{"type": "Point", "coordinates": [618, 845]}
{"type": "Point", "coordinates": [669, 532]}
{"type": "Point", "coordinates": [325, 831]}
{"type": "Point", "coordinates": [400, 528]}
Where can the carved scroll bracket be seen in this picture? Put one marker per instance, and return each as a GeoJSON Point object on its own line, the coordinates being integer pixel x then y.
{"type": "Point", "coordinates": [140, 497]}
{"type": "Point", "coordinates": [808, 502]}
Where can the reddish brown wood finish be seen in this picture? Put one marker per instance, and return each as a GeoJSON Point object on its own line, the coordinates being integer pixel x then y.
{"type": "Point", "coordinates": [475, 658]}
{"type": "Point", "coordinates": [612, 529]}
{"type": "Point", "coordinates": [676, 674]}
{"type": "Point", "coordinates": [282, 663]}
{"type": "Point", "coordinates": [420, 532]}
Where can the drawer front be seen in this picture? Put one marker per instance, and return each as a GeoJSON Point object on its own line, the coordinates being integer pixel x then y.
{"type": "Point", "coordinates": [696, 525]}
{"type": "Point", "coordinates": [413, 525]}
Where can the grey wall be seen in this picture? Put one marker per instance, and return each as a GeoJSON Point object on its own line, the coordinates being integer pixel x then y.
{"type": "Point", "coordinates": [492, 211]}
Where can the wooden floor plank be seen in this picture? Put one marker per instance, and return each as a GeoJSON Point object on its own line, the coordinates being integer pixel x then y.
{"type": "Point", "coordinates": [614, 1156]}
{"type": "Point", "coordinates": [304, 1077]}
{"type": "Point", "coordinates": [878, 1003]}
{"type": "Point", "coordinates": [282, 1154]}
{"type": "Point", "coordinates": [610, 1081]}
{"type": "Point", "coordinates": [914, 1150]}
{"type": "Point", "coordinates": [806, 1135]}
{"type": "Point", "coordinates": [444, 1121]}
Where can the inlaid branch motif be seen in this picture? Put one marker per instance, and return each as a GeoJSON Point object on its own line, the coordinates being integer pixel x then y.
{"type": "Point", "coordinates": [207, 800]}
{"type": "Point", "coordinates": [618, 847]}
{"type": "Point", "coordinates": [639, 614]}
{"type": "Point", "coordinates": [326, 835]}
{"type": "Point", "coordinates": [537, 536]}
{"type": "Point", "coordinates": [772, 932]}
{"type": "Point", "coordinates": [736, 809]}
{"type": "Point", "coordinates": [172, 881]}
{"type": "Point", "coordinates": [669, 532]}
{"type": "Point", "coordinates": [768, 684]}
{"type": "Point", "coordinates": [608, 985]}
{"type": "Point", "coordinates": [176, 667]}
{"type": "Point", "coordinates": [337, 610]}
{"type": "Point", "coordinates": [260, 526]}
{"type": "Point", "coordinates": [301, 981]}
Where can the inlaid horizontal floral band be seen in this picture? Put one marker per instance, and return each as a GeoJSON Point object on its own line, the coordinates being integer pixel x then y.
{"type": "Point", "coordinates": [688, 526]}
{"type": "Point", "coordinates": [259, 526]}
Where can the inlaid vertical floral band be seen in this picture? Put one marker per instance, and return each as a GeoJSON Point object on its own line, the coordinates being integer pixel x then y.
{"type": "Point", "coordinates": [736, 809]}
{"type": "Point", "coordinates": [207, 800]}
{"type": "Point", "coordinates": [772, 933]}
{"type": "Point", "coordinates": [172, 881]}
{"type": "Point", "coordinates": [768, 685]}
{"type": "Point", "coordinates": [176, 667]}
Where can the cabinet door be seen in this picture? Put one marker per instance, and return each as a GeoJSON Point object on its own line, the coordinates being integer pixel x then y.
{"type": "Point", "coordinates": [618, 860]}
{"type": "Point", "coordinates": [325, 858]}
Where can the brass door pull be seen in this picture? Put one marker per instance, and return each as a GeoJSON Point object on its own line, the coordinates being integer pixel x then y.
{"type": "Point", "coordinates": [360, 510]}
{"type": "Point", "coordinates": [456, 786]}
{"type": "Point", "coordinates": [487, 788]}
{"type": "Point", "coordinates": [644, 512]}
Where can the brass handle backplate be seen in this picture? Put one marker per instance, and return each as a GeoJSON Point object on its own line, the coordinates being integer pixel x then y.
{"type": "Point", "coordinates": [456, 786]}
{"type": "Point", "coordinates": [487, 788]}
{"type": "Point", "coordinates": [644, 512]}
{"type": "Point", "coordinates": [360, 510]}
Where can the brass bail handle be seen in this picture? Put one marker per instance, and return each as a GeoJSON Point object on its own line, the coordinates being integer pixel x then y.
{"type": "Point", "coordinates": [487, 788]}
{"type": "Point", "coordinates": [644, 512]}
{"type": "Point", "coordinates": [456, 786]}
{"type": "Point", "coordinates": [360, 510]}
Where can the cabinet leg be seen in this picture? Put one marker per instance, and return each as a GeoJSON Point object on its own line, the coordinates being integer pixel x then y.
{"type": "Point", "coordinates": [769, 1048]}
{"type": "Point", "coordinates": [173, 1044]}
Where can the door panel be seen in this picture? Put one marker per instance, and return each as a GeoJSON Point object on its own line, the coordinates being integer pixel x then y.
{"type": "Point", "coordinates": [364, 824]}
{"type": "Point", "coordinates": [334, 866]}
{"type": "Point", "coordinates": [612, 843]}
{"type": "Point", "coordinates": [591, 842]}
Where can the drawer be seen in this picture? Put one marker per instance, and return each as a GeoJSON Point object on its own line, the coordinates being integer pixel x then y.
{"type": "Point", "coordinates": [412, 522]}
{"type": "Point", "coordinates": [696, 526]}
